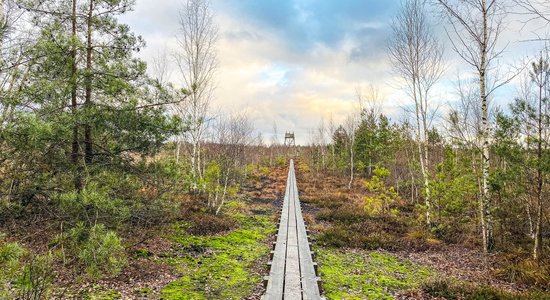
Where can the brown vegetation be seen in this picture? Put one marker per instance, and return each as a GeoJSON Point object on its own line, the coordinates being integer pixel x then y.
{"type": "Point", "coordinates": [338, 219]}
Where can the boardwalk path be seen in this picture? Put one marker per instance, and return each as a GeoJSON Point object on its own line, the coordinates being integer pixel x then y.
{"type": "Point", "coordinates": [292, 274]}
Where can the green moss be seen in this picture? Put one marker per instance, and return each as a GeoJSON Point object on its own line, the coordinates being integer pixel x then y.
{"type": "Point", "coordinates": [100, 294]}
{"type": "Point", "coordinates": [366, 274]}
{"type": "Point", "coordinates": [142, 253]}
{"type": "Point", "coordinates": [220, 267]}
{"type": "Point", "coordinates": [144, 292]}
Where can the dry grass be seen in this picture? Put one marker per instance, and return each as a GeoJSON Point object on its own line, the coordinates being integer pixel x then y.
{"type": "Point", "coordinates": [208, 224]}
{"type": "Point", "coordinates": [337, 218]}
{"type": "Point", "coordinates": [337, 215]}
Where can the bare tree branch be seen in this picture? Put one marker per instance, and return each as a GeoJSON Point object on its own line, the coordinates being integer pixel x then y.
{"type": "Point", "coordinates": [417, 57]}
{"type": "Point", "coordinates": [197, 62]}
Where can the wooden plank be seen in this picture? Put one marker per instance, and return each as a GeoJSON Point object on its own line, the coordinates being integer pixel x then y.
{"type": "Point", "coordinates": [293, 288]}
{"type": "Point", "coordinates": [275, 283]}
{"type": "Point", "coordinates": [310, 287]}
{"type": "Point", "coordinates": [292, 274]}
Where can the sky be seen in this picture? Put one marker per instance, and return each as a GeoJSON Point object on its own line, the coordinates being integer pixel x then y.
{"type": "Point", "coordinates": [289, 64]}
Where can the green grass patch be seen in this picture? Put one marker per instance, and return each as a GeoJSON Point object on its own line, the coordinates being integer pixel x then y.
{"type": "Point", "coordinates": [220, 266]}
{"type": "Point", "coordinates": [367, 274]}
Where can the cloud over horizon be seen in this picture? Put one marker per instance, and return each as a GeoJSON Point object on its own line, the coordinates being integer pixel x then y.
{"type": "Point", "coordinates": [289, 63]}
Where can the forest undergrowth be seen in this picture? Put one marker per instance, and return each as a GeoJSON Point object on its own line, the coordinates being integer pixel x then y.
{"type": "Point", "coordinates": [197, 255]}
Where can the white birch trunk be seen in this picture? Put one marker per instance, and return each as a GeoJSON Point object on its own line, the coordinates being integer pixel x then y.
{"type": "Point", "coordinates": [485, 207]}
{"type": "Point", "coordinates": [351, 166]}
{"type": "Point", "coordinates": [422, 151]}
{"type": "Point", "coordinates": [223, 195]}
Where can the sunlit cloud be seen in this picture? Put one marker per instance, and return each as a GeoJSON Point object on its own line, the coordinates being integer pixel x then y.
{"type": "Point", "coordinates": [293, 63]}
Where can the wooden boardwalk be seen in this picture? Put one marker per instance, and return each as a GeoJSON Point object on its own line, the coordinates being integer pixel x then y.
{"type": "Point", "coordinates": [292, 275]}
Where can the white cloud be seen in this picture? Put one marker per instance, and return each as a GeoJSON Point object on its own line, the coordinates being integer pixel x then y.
{"type": "Point", "coordinates": [262, 74]}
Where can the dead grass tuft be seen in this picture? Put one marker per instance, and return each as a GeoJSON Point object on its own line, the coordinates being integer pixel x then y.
{"type": "Point", "coordinates": [519, 266]}
{"type": "Point", "coordinates": [208, 224]}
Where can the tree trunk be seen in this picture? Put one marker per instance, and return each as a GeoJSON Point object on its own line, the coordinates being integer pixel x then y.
{"type": "Point", "coordinates": [75, 151]}
{"type": "Point", "coordinates": [194, 166]}
{"type": "Point", "coordinates": [223, 195]}
{"type": "Point", "coordinates": [351, 166]}
{"type": "Point", "coordinates": [370, 156]}
{"type": "Point", "coordinates": [88, 142]}
{"type": "Point", "coordinates": [420, 144]}
{"type": "Point", "coordinates": [177, 150]}
{"type": "Point", "coordinates": [200, 166]}
{"type": "Point", "coordinates": [333, 156]}
{"type": "Point", "coordinates": [423, 113]}
{"type": "Point", "coordinates": [485, 207]}
{"type": "Point", "coordinates": [537, 249]}
{"type": "Point", "coordinates": [271, 156]}
{"type": "Point", "coordinates": [2, 28]}
{"type": "Point", "coordinates": [530, 219]}
{"type": "Point", "coordinates": [323, 155]}
{"type": "Point", "coordinates": [212, 205]}
{"type": "Point", "coordinates": [486, 218]}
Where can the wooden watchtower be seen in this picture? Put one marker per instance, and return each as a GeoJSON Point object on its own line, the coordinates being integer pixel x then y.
{"type": "Point", "coordinates": [289, 139]}
{"type": "Point", "coordinates": [290, 142]}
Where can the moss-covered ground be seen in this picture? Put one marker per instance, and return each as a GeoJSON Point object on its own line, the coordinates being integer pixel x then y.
{"type": "Point", "coordinates": [360, 274]}
{"type": "Point", "coordinates": [223, 266]}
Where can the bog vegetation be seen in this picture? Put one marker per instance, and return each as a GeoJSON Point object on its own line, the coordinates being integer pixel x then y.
{"type": "Point", "coordinates": [108, 169]}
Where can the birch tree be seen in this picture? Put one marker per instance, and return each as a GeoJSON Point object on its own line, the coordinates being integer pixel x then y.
{"type": "Point", "coordinates": [351, 124]}
{"type": "Point", "coordinates": [463, 124]}
{"type": "Point", "coordinates": [475, 28]}
{"type": "Point", "coordinates": [332, 129]}
{"type": "Point", "coordinates": [197, 61]}
{"type": "Point", "coordinates": [522, 143]}
{"type": "Point", "coordinates": [274, 144]}
{"type": "Point", "coordinates": [322, 139]}
{"type": "Point", "coordinates": [233, 136]}
{"type": "Point", "coordinates": [416, 56]}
